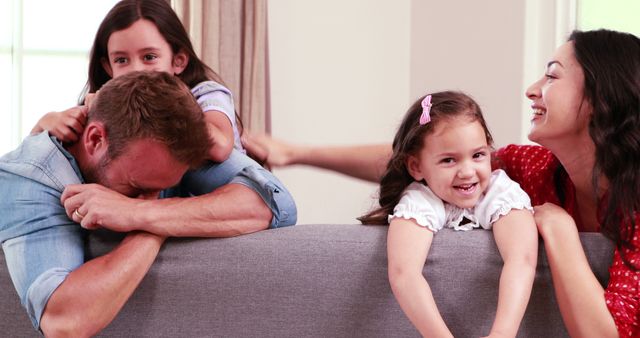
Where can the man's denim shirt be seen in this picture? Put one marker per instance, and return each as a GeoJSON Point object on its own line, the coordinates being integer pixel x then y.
{"type": "Point", "coordinates": [42, 245]}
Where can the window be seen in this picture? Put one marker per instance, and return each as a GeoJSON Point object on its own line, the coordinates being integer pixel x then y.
{"type": "Point", "coordinates": [620, 15]}
{"type": "Point", "coordinates": [7, 123]}
{"type": "Point", "coordinates": [44, 49]}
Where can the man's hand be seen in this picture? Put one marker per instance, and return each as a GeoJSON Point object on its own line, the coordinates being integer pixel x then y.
{"type": "Point", "coordinates": [95, 206]}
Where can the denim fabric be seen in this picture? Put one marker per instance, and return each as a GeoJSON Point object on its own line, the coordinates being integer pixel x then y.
{"type": "Point", "coordinates": [241, 169]}
{"type": "Point", "coordinates": [33, 220]}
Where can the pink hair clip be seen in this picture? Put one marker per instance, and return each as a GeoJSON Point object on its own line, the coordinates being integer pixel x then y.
{"type": "Point", "coordinates": [426, 110]}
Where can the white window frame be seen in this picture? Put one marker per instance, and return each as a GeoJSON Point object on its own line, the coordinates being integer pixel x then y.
{"type": "Point", "coordinates": [541, 37]}
{"type": "Point", "coordinates": [17, 53]}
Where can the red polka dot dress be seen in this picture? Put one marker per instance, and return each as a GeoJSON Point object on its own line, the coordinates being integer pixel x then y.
{"type": "Point", "coordinates": [539, 174]}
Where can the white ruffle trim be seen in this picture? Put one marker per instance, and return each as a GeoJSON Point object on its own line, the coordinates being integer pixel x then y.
{"type": "Point", "coordinates": [505, 209]}
{"type": "Point", "coordinates": [409, 215]}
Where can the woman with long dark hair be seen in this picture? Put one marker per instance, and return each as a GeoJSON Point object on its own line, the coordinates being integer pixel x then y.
{"type": "Point", "coordinates": [587, 114]}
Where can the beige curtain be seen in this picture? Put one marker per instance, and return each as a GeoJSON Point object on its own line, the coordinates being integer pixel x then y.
{"type": "Point", "coordinates": [230, 36]}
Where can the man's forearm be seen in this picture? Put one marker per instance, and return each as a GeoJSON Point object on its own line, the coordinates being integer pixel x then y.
{"type": "Point", "coordinates": [231, 210]}
{"type": "Point", "coordinates": [227, 199]}
{"type": "Point", "coordinates": [92, 295]}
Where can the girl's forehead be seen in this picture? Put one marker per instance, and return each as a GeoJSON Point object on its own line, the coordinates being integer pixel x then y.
{"type": "Point", "coordinates": [456, 133]}
{"type": "Point", "coordinates": [447, 123]}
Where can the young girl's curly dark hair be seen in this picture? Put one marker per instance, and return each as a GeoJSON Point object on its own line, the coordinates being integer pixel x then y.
{"type": "Point", "coordinates": [409, 140]}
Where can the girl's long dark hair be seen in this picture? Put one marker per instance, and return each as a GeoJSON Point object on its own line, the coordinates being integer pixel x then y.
{"type": "Point", "coordinates": [611, 64]}
{"type": "Point", "coordinates": [122, 16]}
{"type": "Point", "coordinates": [127, 12]}
{"type": "Point", "coordinates": [409, 139]}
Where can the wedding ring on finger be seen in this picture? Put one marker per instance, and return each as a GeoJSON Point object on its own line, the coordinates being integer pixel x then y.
{"type": "Point", "coordinates": [78, 214]}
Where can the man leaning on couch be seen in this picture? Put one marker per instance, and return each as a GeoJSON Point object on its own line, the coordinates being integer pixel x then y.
{"type": "Point", "coordinates": [143, 132]}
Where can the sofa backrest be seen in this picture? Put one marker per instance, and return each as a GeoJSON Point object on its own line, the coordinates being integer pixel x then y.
{"type": "Point", "coordinates": [312, 281]}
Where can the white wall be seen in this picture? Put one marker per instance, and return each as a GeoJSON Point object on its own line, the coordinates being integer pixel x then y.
{"type": "Point", "coordinates": [339, 75]}
{"type": "Point", "coordinates": [475, 47]}
{"type": "Point", "coordinates": [344, 72]}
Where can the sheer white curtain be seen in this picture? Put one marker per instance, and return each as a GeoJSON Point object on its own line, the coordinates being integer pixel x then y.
{"type": "Point", "coordinates": [231, 37]}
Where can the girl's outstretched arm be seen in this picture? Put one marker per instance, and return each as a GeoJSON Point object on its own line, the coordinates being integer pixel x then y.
{"type": "Point", "coordinates": [517, 240]}
{"type": "Point", "coordinates": [407, 247]}
{"type": "Point", "coordinates": [579, 294]}
{"type": "Point", "coordinates": [367, 162]}
{"type": "Point", "coordinates": [221, 133]}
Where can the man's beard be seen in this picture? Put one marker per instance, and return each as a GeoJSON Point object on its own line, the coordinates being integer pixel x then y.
{"type": "Point", "coordinates": [97, 174]}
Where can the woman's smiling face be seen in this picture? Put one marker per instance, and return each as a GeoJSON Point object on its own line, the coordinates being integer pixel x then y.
{"type": "Point", "coordinates": [560, 108]}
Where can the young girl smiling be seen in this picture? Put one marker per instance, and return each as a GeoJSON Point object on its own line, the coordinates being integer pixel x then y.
{"type": "Point", "coordinates": [439, 175]}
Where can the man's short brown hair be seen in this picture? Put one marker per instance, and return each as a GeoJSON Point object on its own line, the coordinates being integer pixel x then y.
{"type": "Point", "coordinates": [153, 105]}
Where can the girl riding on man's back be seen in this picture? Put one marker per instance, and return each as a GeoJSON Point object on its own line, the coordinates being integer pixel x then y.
{"type": "Point", "coordinates": [148, 35]}
{"type": "Point", "coordinates": [440, 176]}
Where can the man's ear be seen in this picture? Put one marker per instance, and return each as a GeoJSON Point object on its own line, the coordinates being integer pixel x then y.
{"type": "Point", "coordinates": [106, 66]}
{"type": "Point", "coordinates": [413, 165]}
{"type": "Point", "coordinates": [94, 140]}
{"type": "Point", "coordinates": [180, 62]}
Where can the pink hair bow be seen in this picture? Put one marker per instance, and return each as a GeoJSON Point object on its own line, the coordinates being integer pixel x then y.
{"type": "Point", "coordinates": [426, 110]}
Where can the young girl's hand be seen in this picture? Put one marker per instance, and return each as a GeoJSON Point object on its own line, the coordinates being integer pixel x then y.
{"type": "Point", "coordinates": [89, 98]}
{"type": "Point", "coordinates": [66, 126]}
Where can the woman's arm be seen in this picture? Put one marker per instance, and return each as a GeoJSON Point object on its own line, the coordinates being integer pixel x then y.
{"type": "Point", "coordinates": [517, 240]}
{"type": "Point", "coordinates": [367, 162]}
{"type": "Point", "coordinates": [407, 248]}
{"type": "Point", "coordinates": [579, 294]}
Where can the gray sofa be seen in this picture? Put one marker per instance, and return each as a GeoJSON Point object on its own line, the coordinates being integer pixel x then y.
{"type": "Point", "coordinates": [312, 281]}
